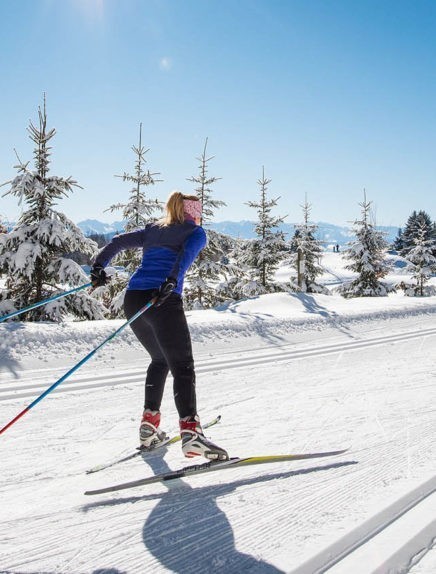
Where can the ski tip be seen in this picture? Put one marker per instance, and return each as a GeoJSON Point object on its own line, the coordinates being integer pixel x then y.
{"type": "Point", "coordinates": [334, 452]}
{"type": "Point", "coordinates": [92, 470]}
{"type": "Point", "coordinates": [342, 450]}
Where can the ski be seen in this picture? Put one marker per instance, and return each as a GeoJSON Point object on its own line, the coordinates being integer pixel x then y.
{"type": "Point", "coordinates": [141, 450]}
{"type": "Point", "coordinates": [212, 466]}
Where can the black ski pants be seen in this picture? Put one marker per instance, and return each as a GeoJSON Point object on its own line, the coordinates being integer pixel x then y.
{"type": "Point", "coordinates": [164, 333]}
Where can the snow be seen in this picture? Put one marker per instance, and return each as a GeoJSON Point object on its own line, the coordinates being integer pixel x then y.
{"type": "Point", "coordinates": [287, 372]}
{"type": "Point", "coordinates": [389, 541]}
{"type": "Point", "coordinates": [427, 565]}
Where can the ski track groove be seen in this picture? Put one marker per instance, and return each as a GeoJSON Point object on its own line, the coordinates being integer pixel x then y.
{"type": "Point", "coordinates": [360, 478]}
{"type": "Point", "coordinates": [310, 505]}
{"type": "Point", "coordinates": [205, 366]}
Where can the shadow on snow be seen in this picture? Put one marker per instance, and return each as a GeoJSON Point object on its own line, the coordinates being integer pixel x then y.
{"type": "Point", "coordinates": [187, 531]}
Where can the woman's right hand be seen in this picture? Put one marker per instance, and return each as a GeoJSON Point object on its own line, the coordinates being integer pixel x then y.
{"type": "Point", "coordinates": [98, 276]}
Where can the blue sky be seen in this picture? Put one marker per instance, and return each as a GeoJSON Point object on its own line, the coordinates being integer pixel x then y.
{"type": "Point", "coordinates": [331, 96]}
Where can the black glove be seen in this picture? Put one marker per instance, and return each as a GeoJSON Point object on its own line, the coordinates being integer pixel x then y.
{"type": "Point", "coordinates": [98, 276]}
{"type": "Point", "coordinates": [165, 290]}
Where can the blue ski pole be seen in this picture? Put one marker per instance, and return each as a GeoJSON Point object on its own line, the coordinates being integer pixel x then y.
{"type": "Point", "coordinates": [78, 365]}
{"type": "Point", "coordinates": [35, 305]}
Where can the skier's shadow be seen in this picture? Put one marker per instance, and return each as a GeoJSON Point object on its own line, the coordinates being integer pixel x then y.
{"type": "Point", "coordinates": [188, 532]}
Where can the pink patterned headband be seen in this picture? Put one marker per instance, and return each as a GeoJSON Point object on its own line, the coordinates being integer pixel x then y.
{"type": "Point", "coordinates": [192, 208]}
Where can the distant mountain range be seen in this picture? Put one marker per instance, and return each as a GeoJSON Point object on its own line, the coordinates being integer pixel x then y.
{"type": "Point", "coordinates": [93, 226]}
{"type": "Point", "coordinates": [327, 232]}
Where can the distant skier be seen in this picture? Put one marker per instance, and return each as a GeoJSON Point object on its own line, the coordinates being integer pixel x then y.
{"type": "Point", "coordinates": [169, 247]}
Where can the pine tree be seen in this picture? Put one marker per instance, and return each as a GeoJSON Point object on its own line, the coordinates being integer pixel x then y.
{"type": "Point", "coordinates": [203, 190]}
{"type": "Point", "coordinates": [433, 236]}
{"type": "Point", "coordinates": [367, 256]}
{"type": "Point", "coordinates": [263, 254]}
{"type": "Point", "coordinates": [236, 281]}
{"type": "Point", "coordinates": [137, 212]}
{"type": "Point", "coordinates": [33, 254]}
{"type": "Point", "coordinates": [422, 261]}
{"type": "Point", "coordinates": [307, 252]}
{"type": "Point", "coordinates": [398, 243]}
{"type": "Point", "coordinates": [417, 222]}
{"type": "Point", "coordinates": [209, 268]}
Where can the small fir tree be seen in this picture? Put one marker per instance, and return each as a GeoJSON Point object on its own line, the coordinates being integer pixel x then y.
{"type": "Point", "coordinates": [398, 243]}
{"type": "Point", "coordinates": [422, 262]}
{"type": "Point", "coordinates": [417, 223]}
{"type": "Point", "coordinates": [366, 254]}
{"type": "Point", "coordinates": [433, 236]}
{"type": "Point", "coordinates": [33, 254]}
{"type": "Point", "coordinates": [137, 212]}
{"type": "Point", "coordinates": [238, 282]}
{"type": "Point", "coordinates": [203, 190]}
{"type": "Point", "coordinates": [210, 266]}
{"type": "Point", "coordinates": [263, 255]}
{"type": "Point", "coordinates": [307, 252]}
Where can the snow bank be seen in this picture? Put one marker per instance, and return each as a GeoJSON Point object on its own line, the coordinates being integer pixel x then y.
{"type": "Point", "coordinates": [266, 315]}
{"type": "Point", "coordinates": [269, 316]}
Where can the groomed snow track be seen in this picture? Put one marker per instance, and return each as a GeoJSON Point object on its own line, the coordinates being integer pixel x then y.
{"type": "Point", "coordinates": [29, 386]}
{"type": "Point", "coordinates": [292, 503]}
{"type": "Point", "coordinates": [390, 542]}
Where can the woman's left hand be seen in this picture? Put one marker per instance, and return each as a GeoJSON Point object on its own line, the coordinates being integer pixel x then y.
{"type": "Point", "coordinates": [165, 290]}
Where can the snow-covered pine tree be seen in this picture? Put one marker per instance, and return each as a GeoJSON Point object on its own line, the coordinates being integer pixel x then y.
{"type": "Point", "coordinates": [211, 264]}
{"type": "Point", "coordinates": [422, 262]}
{"type": "Point", "coordinates": [433, 235]}
{"type": "Point", "coordinates": [238, 282]}
{"type": "Point", "coordinates": [366, 254]}
{"type": "Point", "coordinates": [417, 223]}
{"type": "Point", "coordinates": [203, 189]}
{"type": "Point", "coordinates": [33, 254]}
{"type": "Point", "coordinates": [137, 212]}
{"type": "Point", "coordinates": [398, 243]}
{"type": "Point", "coordinates": [262, 255]}
{"type": "Point", "coordinates": [306, 254]}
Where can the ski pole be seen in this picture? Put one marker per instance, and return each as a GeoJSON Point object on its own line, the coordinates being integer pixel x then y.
{"type": "Point", "coordinates": [35, 305]}
{"type": "Point", "coordinates": [78, 365]}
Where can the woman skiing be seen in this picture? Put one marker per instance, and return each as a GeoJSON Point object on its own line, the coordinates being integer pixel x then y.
{"type": "Point", "coordinates": [169, 248]}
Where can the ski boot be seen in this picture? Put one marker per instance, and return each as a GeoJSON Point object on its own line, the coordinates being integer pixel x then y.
{"type": "Point", "coordinates": [194, 443]}
{"type": "Point", "coordinates": [150, 435]}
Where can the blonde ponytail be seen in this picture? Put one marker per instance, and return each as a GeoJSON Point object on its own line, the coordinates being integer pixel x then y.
{"type": "Point", "coordinates": [174, 208]}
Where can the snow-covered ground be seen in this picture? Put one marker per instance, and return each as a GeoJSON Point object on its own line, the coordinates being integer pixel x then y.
{"type": "Point", "coordinates": [287, 373]}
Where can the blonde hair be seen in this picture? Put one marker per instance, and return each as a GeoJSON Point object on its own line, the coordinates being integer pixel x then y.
{"type": "Point", "coordinates": [175, 212]}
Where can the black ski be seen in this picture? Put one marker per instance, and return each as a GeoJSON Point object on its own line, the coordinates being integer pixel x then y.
{"type": "Point", "coordinates": [212, 466]}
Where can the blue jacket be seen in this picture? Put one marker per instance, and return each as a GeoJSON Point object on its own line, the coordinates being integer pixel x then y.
{"type": "Point", "coordinates": [168, 251]}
